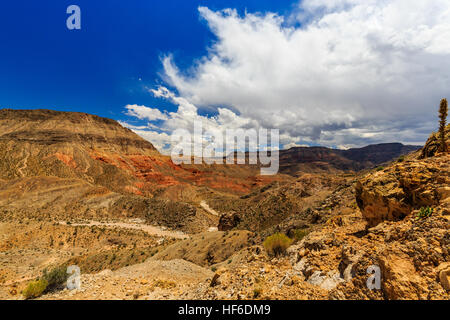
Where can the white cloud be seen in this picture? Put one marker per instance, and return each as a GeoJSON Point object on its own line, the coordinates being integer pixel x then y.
{"type": "Point", "coordinates": [355, 72]}
{"type": "Point", "coordinates": [143, 112]}
{"type": "Point", "coordinates": [184, 118]}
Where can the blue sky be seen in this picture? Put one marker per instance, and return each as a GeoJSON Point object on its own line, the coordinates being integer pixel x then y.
{"type": "Point", "coordinates": [97, 69]}
{"type": "Point", "coordinates": [340, 73]}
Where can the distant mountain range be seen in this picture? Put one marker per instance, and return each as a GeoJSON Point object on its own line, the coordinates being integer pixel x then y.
{"type": "Point", "coordinates": [320, 158]}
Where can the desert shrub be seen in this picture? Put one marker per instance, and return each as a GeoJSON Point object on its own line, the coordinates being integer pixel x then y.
{"type": "Point", "coordinates": [277, 244]}
{"type": "Point", "coordinates": [401, 159]}
{"type": "Point", "coordinates": [35, 289]}
{"type": "Point", "coordinates": [380, 168]}
{"type": "Point", "coordinates": [56, 278]}
{"type": "Point", "coordinates": [424, 213]}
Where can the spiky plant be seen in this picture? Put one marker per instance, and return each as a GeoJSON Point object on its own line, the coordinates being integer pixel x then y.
{"type": "Point", "coordinates": [443, 112]}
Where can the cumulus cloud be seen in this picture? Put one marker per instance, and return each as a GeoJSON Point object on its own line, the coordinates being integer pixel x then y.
{"type": "Point", "coordinates": [185, 117]}
{"type": "Point", "coordinates": [143, 112]}
{"type": "Point", "coordinates": [349, 73]}
{"type": "Point", "coordinates": [338, 73]}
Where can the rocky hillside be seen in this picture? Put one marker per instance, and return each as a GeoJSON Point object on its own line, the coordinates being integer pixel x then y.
{"type": "Point", "coordinates": [102, 152]}
{"type": "Point", "coordinates": [396, 219]}
{"type": "Point", "coordinates": [71, 145]}
{"type": "Point", "coordinates": [48, 127]}
{"type": "Point", "coordinates": [268, 206]}
{"type": "Point", "coordinates": [69, 166]}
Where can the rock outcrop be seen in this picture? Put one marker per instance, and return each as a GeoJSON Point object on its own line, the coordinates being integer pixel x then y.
{"type": "Point", "coordinates": [410, 249]}
{"type": "Point", "coordinates": [228, 221]}
{"type": "Point", "coordinates": [443, 272]}
{"type": "Point", "coordinates": [394, 192]}
{"type": "Point", "coordinates": [432, 145]}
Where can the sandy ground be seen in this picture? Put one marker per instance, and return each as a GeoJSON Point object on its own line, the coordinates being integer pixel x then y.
{"type": "Point", "coordinates": [145, 281]}
{"type": "Point", "coordinates": [152, 230]}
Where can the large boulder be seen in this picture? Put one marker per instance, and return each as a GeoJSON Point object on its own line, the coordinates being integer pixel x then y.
{"type": "Point", "coordinates": [444, 275]}
{"type": "Point", "coordinates": [393, 193]}
{"type": "Point", "coordinates": [228, 221]}
{"type": "Point", "coordinates": [400, 278]}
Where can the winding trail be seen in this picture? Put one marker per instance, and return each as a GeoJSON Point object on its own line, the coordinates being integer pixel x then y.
{"type": "Point", "coordinates": [205, 206]}
{"type": "Point", "coordinates": [24, 165]}
{"type": "Point", "coordinates": [152, 230]}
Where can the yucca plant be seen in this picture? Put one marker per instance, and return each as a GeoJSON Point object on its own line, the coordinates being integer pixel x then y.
{"type": "Point", "coordinates": [443, 112]}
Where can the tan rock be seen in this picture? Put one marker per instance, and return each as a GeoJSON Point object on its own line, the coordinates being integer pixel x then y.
{"type": "Point", "coordinates": [444, 275]}
{"type": "Point", "coordinates": [392, 194]}
{"type": "Point", "coordinates": [215, 280]}
{"type": "Point", "coordinates": [400, 279]}
{"type": "Point", "coordinates": [443, 192]}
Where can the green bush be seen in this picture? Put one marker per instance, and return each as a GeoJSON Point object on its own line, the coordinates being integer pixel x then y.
{"type": "Point", "coordinates": [35, 289]}
{"type": "Point", "coordinates": [277, 244]}
{"type": "Point", "coordinates": [424, 213]}
{"type": "Point", "coordinates": [380, 168]}
{"type": "Point", "coordinates": [56, 278]}
{"type": "Point", "coordinates": [401, 159]}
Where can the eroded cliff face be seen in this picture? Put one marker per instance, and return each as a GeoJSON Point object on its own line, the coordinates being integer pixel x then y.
{"type": "Point", "coordinates": [393, 193]}
{"type": "Point", "coordinates": [418, 182]}
{"type": "Point", "coordinates": [70, 145]}
{"type": "Point", "coordinates": [49, 127]}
